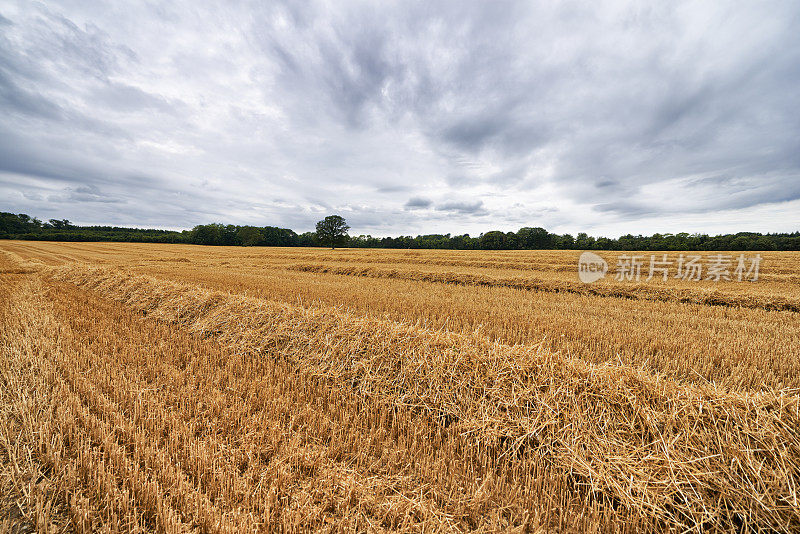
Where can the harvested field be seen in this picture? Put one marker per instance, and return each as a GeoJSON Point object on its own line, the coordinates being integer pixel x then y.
{"type": "Point", "coordinates": [639, 291]}
{"type": "Point", "coordinates": [182, 388]}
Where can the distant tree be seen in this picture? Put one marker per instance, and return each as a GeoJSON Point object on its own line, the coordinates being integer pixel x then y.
{"type": "Point", "coordinates": [565, 241]}
{"type": "Point", "coordinates": [207, 234]}
{"type": "Point", "coordinates": [583, 241]}
{"type": "Point", "coordinates": [279, 237]}
{"type": "Point", "coordinates": [11, 223]}
{"type": "Point", "coordinates": [307, 239]}
{"type": "Point", "coordinates": [511, 241]}
{"type": "Point", "coordinates": [535, 238]}
{"type": "Point", "coordinates": [332, 231]}
{"type": "Point", "coordinates": [249, 236]}
{"type": "Point", "coordinates": [604, 243]}
{"type": "Point", "coordinates": [364, 241]}
{"type": "Point", "coordinates": [494, 240]}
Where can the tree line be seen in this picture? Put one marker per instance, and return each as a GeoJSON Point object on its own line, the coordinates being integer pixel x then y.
{"type": "Point", "coordinates": [21, 226]}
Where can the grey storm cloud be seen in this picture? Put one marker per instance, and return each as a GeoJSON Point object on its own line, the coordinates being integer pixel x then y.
{"type": "Point", "coordinates": [418, 203]}
{"type": "Point", "coordinates": [462, 207]}
{"type": "Point", "coordinates": [606, 117]}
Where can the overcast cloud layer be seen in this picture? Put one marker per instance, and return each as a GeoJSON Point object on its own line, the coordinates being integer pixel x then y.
{"type": "Point", "coordinates": [404, 117]}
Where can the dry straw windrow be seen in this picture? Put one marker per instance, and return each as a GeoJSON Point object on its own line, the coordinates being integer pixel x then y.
{"type": "Point", "coordinates": [688, 455]}
{"type": "Point", "coordinates": [741, 348]}
{"type": "Point", "coordinates": [639, 291]}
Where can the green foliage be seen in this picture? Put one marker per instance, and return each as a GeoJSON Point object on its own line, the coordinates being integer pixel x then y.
{"type": "Point", "coordinates": [332, 231]}
{"type": "Point", "coordinates": [494, 240]}
{"type": "Point", "coordinates": [307, 239]}
{"type": "Point", "coordinates": [535, 238]}
{"type": "Point", "coordinates": [21, 226]}
{"type": "Point", "coordinates": [18, 224]}
{"type": "Point", "coordinates": [249, 236]}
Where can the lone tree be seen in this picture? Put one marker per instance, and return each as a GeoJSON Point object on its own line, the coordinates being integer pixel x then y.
{"type": "Point", "coordinates": [332, 231]}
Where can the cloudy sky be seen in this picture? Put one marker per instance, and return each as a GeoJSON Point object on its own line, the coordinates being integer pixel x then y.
{"type": "Point", "coordinates": [404, 117]}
